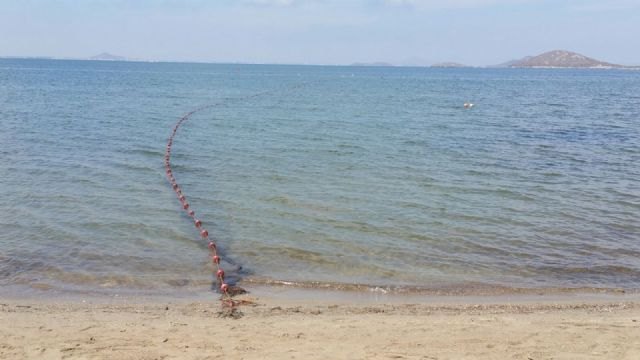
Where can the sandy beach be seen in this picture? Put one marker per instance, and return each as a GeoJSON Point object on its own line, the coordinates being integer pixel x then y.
{"type": "Point", "coordinates": [276, 328]}
{"type": "Point", "coordinates": [320, 179]}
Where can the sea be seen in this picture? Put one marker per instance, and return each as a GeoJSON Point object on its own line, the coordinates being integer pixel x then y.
{"type": "Point", "coordinates": [317, 176]}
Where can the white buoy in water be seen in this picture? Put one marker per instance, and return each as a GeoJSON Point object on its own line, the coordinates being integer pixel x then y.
{"type": "Point", "coordinates": [468, 105]}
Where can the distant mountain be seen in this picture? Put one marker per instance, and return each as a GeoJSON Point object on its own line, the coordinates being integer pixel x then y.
{"type": "Point", "coordinates": [108, 57]}
{"type": "Point", "coordinates": [510, 63]}
{"type": "Point", "coordinates": [449, 65]}
{"type": "Point", "coordinates": [560, 59]}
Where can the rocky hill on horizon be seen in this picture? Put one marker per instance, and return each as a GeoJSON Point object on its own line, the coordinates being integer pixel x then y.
{"type": "Point", "coordinates": [560, 59]}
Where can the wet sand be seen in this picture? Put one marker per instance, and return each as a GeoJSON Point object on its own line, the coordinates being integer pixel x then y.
{"type": "Point", "coordinates": [279, 326]}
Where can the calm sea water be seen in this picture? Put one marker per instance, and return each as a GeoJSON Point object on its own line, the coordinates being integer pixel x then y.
{"type": "Point", "coordinates": [331, 174]}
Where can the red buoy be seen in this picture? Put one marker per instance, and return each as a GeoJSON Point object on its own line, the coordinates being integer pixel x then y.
{"type": "Point", "coordinates": [220, 274]}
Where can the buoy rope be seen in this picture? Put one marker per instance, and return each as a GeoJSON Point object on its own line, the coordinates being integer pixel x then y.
{"type": "Point", "coordinates": [223, 286]}
{"type": "Point", "coordinates": [204, 233]}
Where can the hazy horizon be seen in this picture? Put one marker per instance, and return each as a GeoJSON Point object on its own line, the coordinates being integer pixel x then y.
{"type": "Point", "coordinates": [329, 32]}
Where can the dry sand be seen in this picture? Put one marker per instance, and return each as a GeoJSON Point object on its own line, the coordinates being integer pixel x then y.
{"type": "Point", "coordinates": [302, 329]}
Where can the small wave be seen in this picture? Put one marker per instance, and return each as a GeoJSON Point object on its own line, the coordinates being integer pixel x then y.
{"type": "Point", "coordinates": [460, 289]}
{"type": "Point", "coordinates": [609, 270]}
{"type": "Point", "coordinates": [600, 275]}
{"type": "Point", "coordinates": [560, 105]}
{"type": "Point", "coordinates": [144, 152]}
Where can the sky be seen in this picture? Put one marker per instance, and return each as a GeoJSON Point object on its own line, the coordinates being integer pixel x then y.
{"type": "Point", "coordinates": [401, 32]}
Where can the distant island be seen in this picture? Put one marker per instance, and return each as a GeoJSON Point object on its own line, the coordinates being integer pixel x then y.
{"type": "Point", "coordinates": [550, 59]}
{"type": "Point", "coordinates": [108, 57]}
{"type": "Point", "coordinates": [560, 59]}
{"type": "Point", "coordinates": [449, 65]}
{"type": "Point", "coordinates": [510, 63]}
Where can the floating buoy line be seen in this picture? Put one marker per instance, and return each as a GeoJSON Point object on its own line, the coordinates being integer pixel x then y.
{"type": "Point", "coordinates": [226, 289]}
{"type": "Point", "coordinates": [222, 285]}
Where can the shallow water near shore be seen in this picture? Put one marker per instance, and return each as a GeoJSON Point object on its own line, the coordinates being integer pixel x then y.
{"type": "Point", "coordinates": [318, 175]}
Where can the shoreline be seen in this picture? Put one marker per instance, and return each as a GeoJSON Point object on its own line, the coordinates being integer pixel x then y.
{"type": "Point", "coordinates": [289, 325]}
{"type": "Point", "coordinates": [339, 296]}
{"type": "Point", "coordinates": [305, 290]}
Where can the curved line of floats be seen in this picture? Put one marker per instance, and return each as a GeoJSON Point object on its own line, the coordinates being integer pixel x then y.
{"type": "Point", "coordinates": [204, 233]}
